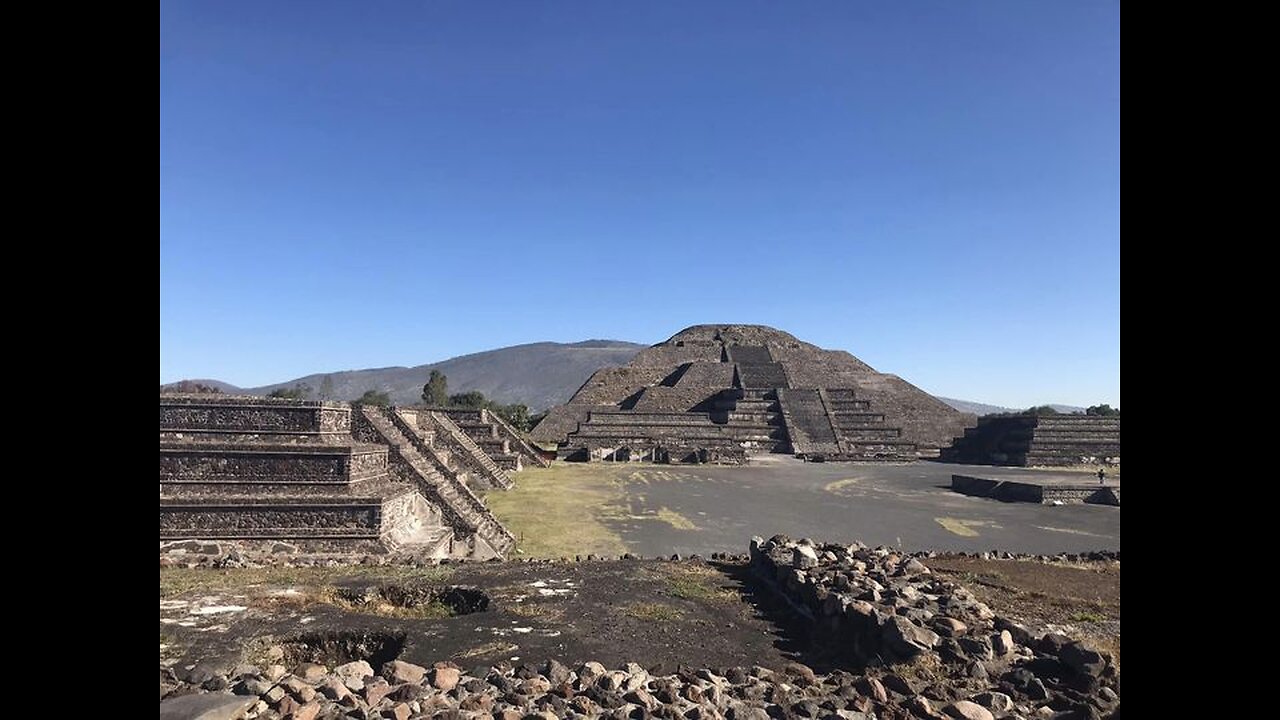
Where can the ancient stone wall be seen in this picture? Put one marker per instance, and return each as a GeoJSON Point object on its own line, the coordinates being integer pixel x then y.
{"type": "Point", "coordinates": [1056, 440]}
{"type": "Point", "coordinates": [874, 606]}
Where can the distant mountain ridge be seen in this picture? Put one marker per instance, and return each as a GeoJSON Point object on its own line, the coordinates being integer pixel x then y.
{"type": "Point", "coordinates": [540, 375]}
{"type": "Point", "coordinates": [981, 409]}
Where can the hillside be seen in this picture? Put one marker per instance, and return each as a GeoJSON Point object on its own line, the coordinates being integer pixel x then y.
{"type": "Point", "coordinates": [539, 375]}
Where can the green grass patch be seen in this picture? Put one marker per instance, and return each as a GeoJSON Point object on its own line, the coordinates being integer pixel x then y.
{"type": "Point", "coordinates": [1087, 616]}
{"type": "Point", "coordinates": [653, 612]}
{"type": "Point", "coordinates": [696, 583]}
{"type": "Point", "coordinates": [561, 511]}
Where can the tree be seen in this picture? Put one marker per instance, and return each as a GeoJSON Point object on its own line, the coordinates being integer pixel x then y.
{"type": "Point", "coordinates": [517, 415]}
{"type": "Point", "coordinates": [436, 391]}
{"type": "Point", "coordinates": [373, 397]}
{"type": "Point", "coordinates": [1041, 411]}
{"type": "Point", "coordinates": [189, 386]}
{"type": "Point", "coordinates": [326, 388]}
{"type": "Point", "coordinates": [301, 391]}
{"type": "Point", "coordinates": [473, 399]}
{"type": "Point", "coordinates": [1103, 410]}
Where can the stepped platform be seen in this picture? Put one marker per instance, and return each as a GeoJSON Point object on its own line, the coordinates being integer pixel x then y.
{"type": "Point", "coordinates": [766, 389]}
{"type": "Point", "coordinates": [1053, 440]}
{"type": "Point", "coordinates": [1048, 490]}
{"type": "Point", "coordinates": [514, 454]}
{"type": "Point", "coordinates": [243, 468]}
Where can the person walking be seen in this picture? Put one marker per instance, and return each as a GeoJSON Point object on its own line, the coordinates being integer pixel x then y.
{"type": "Point", "coordinates": [1102, 476]}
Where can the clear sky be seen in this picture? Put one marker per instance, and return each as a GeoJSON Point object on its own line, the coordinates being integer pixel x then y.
{"type": "Point", "coordinates": [933, 186]}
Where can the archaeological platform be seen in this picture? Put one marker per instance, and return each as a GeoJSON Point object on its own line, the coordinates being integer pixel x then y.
{"type": "Point", "coordinates": [325, 476]}
{"type": "Point", "coordinates": [720, 393]}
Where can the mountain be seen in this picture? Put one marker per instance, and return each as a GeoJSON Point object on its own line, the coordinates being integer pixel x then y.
{"type": "Point", "coordinates": [199, 385]}
{"type": "Point", "coordinates": [540, 375]}
{"type": "Point", "coordinates": [981, 409]}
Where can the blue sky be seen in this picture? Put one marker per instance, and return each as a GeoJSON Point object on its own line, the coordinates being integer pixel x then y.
{"type": "Point", "coordinates": [932, 186]}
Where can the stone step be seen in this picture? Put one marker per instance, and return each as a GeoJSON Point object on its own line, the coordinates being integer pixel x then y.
{"type": "Point", "coordinates": [872, 434]}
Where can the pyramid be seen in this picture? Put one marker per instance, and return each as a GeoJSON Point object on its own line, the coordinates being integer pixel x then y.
{"type": "Point", "coordinates": [720, 393]}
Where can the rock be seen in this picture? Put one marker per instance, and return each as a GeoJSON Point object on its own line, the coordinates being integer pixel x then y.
{"type": "Point", "coordinates": [376, 690]}
{"type": "Point", "coordinates": [334, 689]}
{"type": "Point", "coordinates": [205, 707]}
{"type": "Point", "coordinates": [1002, 642]}
{"type": "Point", "coordinates": [352, 674]}
{"type": "Point", "coordinates": [254, 686]}
{"type": "Point", "coordinates": [274, 672]}
{"type": "Point", "coordinates": [446, 678]}
{"type": "Point", "coordinates": [1025, 682]}
{"type": "Point", "coordinates": [401, 711]}
{"type": "Point", "coordinates": [1020, 634]}
{"type": "Point", "coordinates": [298, 688]}
{"type": "Point", "coordinates": [1052, 643]}
{"type": "Point", "coordinates": [274, 695]}
{"type": "Point", "coordinates": [949, 627]}
{"type": "Point", "coordinates": [555, 672]}
{"type": "Point", "coordinates": [199, 674]}
{"type": "Point", "coordinates": [1082, 660]}
{"type": "Point", "coordinates": [311, 672]}
{"type": "Point", "coordinates": [873, 688]}
{"type": "Point", "coordinates": [906, 639]}
{"type": "Point", "coordinates": [533, 687]}
{"type": "Point", "coordinates": [742, 711]}
{"type": "Point", "coordinates": [611, 681]}
{"type": "Point", "coordinates": [802, 674]}
{"type": "Point", "coordinates": [977, 647]}
{"type": "Point", "coordinates": [914, 567]}
{"type": "Point", "coordinates": [398, 671]}
{"type": "Point", "coordinates": [966, 710]}
{"type": "Point", "coordinates": [921, 706]}
{"type": "Point", "coordinates": [994, 701]}
{"type": "Point", "coordinates": [641, 697]}
{"type": "Point", "coordinates": [803, 556]}
{"type": "Point", "coordinates": [308, 711]}
{"type": "Point", "coordinates": [900, 685]}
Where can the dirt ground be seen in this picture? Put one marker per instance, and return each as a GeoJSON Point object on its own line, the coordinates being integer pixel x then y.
{"type": "Point", "coordinates": [612, 508]}
{"type": "Point", "coordinates": [1083, 598]}
{"type": "Point", "coordinates": [660, 614]}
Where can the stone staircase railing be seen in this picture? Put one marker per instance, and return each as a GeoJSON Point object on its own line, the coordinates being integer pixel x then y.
{"type": "Point", "coordinates": [456, 501]}
{"type": "Point", "coordinates": [518, 441]}
{"type": "Point", "coordinates": [442, 460]}
{"type": "Point", "coordinates": [466, 450]}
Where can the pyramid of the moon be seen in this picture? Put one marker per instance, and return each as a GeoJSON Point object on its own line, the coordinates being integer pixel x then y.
{"type": "Point", "coordinates": [720, 392]}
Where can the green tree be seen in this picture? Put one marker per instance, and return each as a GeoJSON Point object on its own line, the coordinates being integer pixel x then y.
{"type": "Point", "coordinates": [473, 399]}
{"type": "Point", "coordinates": [516, 414]}
{"type": "Point", "coordinates": [1041, 411]}
{"type": "Point", "coordinates": [373, 397]}
{"type": "Point", "coordinates": [301, 391]}
{"type": "Point", "coordinates": [1103, 410]}
{"type": "Point", "coordinates": [326, 388]}
{"type": "Point", "coordinates": [436, 391]}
